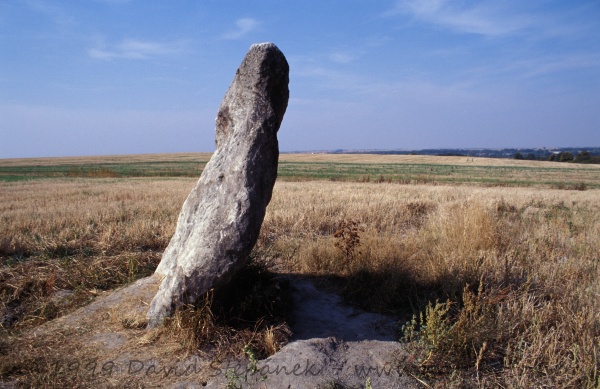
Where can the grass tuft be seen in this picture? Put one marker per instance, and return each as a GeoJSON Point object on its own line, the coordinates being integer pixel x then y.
{"type": "Point", "coordinates": [252, 312]}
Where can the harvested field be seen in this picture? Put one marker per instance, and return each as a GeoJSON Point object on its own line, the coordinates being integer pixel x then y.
{"type": "Point", "coordinates": [493, 285]}
{"type": "Point", "coordinates": [404, 169]}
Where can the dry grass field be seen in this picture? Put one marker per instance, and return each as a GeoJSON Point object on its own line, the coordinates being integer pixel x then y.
{"type": "Point", "coordinates": [493, 285]}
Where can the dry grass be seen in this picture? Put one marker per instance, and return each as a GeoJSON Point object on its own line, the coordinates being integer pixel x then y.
{"type": "Point", "coordinates": [88, 217]}
{"type": "Point", "coordinates": [514, 273]}
{"type": "Point", "coordinates": [64, 242]}
{"type": "Point", "coordinates": [507, 279]}
{"type": "Point", "coordinates": [61, 242]}
{"type": "Point", "coordinates": [250, 314]}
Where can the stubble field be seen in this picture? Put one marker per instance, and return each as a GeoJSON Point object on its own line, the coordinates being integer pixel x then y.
{"type": "Point", "coordinates": [491, 267]}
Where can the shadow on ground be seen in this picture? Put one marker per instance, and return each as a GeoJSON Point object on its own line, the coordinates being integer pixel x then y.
{"type": "Point", "coordinates": [105, 344]}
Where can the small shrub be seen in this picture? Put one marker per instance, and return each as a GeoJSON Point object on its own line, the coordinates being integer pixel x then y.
{"type": "Point", "coordinates": [348, 239]}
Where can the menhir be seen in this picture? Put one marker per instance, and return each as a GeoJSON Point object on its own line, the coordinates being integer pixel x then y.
{"type": "Point", "coordinates": [221, 218]}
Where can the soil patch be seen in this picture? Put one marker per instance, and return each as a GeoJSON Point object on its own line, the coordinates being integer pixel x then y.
{"type": "Point", "coordinates": [106, 344]}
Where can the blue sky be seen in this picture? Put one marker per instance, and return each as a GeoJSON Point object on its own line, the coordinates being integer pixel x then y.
{"type": "Point", "coordinates": [93, 77]}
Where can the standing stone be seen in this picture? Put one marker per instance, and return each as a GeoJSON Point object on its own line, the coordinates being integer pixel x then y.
{"type": "Point", "coordinates": [221, 218]}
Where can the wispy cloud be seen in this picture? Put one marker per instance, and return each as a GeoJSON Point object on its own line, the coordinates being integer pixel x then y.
{"type": "Point", "coordinates": [487, 19]}
{"type": "Point", "coordinates": [482, 18]}
{"type": "Point", "coordinates": [243, 27]}
{"type": "Point", "coordinates": [56, 13]}
{"type": "Point", "coordinates": [344, 56]}
{"type": "Point", "coordinates": [496, 19]}
{"type": "Point", "coordinates": [135, 49]}
{"type": "Point", "coordinates": [345, 85]}
{"type": "Point", "coordinates": [544, 40]}
{"type": "Point", "coordinates": [548, 65]}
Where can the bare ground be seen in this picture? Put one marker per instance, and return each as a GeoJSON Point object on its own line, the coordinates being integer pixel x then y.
{"type": "Point", "coordinates": [106, 345]}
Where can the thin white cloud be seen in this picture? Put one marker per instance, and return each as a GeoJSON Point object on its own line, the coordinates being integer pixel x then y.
{"type": "Point", "coordinates": [548, 65]}
{"type": "Point", "coordinates": [487, 19]}
{"type": "Point", "coordinates": [347, 85]}
{"type": "Point", "coordinates": [135, 49]}
{"type": "Point", "coordinates": [243, 27]}
{"type": "Point", "coordinates": [344, 57]}
{"type": "Point", "coordinates": [56, 13]}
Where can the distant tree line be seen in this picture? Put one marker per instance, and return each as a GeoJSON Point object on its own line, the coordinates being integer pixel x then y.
{"type": "Point", "coordinates": [562, 156]}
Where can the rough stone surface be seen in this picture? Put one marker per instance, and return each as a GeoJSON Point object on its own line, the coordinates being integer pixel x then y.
{"type": "Point", "coordinates": [318, 314]}
{"type": "Point", "coordinates": [221, 218]}
{"type": "Point", "coordinates": [321, 363]}
{"type": "Point", "coordinates": [334, 346]}
{"type": "Point", "coordinates": [342, 356]}
{"type": "Point", "coordinates": [332, 362]}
